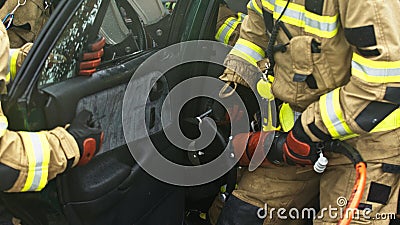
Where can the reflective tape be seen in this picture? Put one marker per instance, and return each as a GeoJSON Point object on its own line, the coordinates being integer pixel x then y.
{"type": "Point", "coordinates": [332, 116]}
{"type": "Point", "coordinates": [248, 51]}
{"type": "Point", "coordinates": [297, 15]}
{"type": "Point", "coordinates": [375, 71]}
{"type": "Point", "coordinates": [225, 31]}
{"type": "Point", "coordinates": [38, 152]}
{"type": "Point", "coordinates": [3, 125]}
{"type": "Point", "coordinates": [253, 6]}
{"type": "Point", "coordinates": [269, 4]}
{"type": "Point", "coordinates": [13, 65]}
{"type": "Point", "coordinates": [391, 122]}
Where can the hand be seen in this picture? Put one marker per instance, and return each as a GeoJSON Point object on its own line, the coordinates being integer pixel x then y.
{"type": "Point", "coordinates": [88, 135]}
{"type": "Point", "coordinates": [294, 148]}
{"type": "Point", "coordinates": [92, 57]}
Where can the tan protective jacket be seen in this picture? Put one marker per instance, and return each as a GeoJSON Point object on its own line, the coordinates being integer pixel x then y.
{"type": "Point", "coordinates": [340, 67]}
{"type": "Point", "coordinates": [228, 25]}
{"type": "Point", "coordinates": [39, 156]}
{"type": "Point", "coordinates": [28, 21]}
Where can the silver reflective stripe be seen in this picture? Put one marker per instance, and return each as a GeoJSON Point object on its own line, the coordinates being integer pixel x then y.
{"type": "Point", "coordinates": [3, 125]}
{"type": "Point", "coordinates": [38, 150]}
{"type": "Point", "coordinates": [254, 7]}
{"type": "Point", "coordinates": [332, 115]}
{"type": "Point", "coordinates": [376, 72]}
{"type": "Point", "coordinates": [242, 16]}
{"type": "Point", "coordinates": [296, 115]}
{"type": "Point", "coordinates": [224, 33]}
{"type": "Point", "coordinates": [272, 2]}
{"type": "Point", "coordinates": [328, 27]}
{"type": "Point", "coordinates": [248, 51]}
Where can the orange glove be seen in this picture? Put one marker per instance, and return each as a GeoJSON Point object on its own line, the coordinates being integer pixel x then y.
{"type": "Point", "coordinates": [92, 57]}
{"type": "Point", "coordinates": [88, 135]}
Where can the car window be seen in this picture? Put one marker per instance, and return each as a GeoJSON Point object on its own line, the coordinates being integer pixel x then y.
{"type": "Point", "coordinates": [62, 61]}
{"type": "Point", "coordinates": [124, 28]}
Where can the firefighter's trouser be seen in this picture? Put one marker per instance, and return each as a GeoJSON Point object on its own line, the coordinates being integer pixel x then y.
{"type": "Point", "coordinates": [287, 195]}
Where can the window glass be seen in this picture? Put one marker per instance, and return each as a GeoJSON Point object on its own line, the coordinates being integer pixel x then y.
{"type": "Point", "coordinates": [124, 26]}
{"type": "Point", "coordinates": [63, 59]}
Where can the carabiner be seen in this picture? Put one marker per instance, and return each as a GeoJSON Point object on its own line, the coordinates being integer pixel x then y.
{"type": "Point", "coordinates": [7, 21]}
{"type": "Point", "coordinates": [9, 18]}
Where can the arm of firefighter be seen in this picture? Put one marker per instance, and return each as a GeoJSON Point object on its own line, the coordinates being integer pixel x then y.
{"type": "Point", "coordinates": [242, 61]}
{"type": "Point", "coordinates": [228, 25]}
{"type": "Point", "coordinates": [370, 101]}
{"type": "Point", "coordinates": [4, 57]}
{"type": "Point", "coordinates": [31, 159]}
{"type": "Point", "coordinates": [16, 58]}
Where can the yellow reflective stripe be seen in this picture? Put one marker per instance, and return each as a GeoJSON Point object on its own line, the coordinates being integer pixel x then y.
{"type": "Point", "coordinates": [228, 27]}
{"type": "Point", "coordinates": [225, 29]}
{"type": "Point", "coordinates": [46, 161]}
{"type": "Point", "coordinates": [241, 16]}
{"type": "Point", "coordinates": [391, 122]}
{"type": "Point", "coordinates": [3, 125]}
{"type": "Point", "coordinates": [375, 71]}
{"type": "Point", "coordinates": [244, 56]}
{"type": "Point", "coordinates": [253, 6]}
{"type": "Point", "coordinates": [8, 78]}
{"type": "Point", "coordinates": [332, 115]}
{"type": "Point", "coordinates": [253, 46]}
{"type": "Point", "coordinates": [297, 15]}
{"type": "Point", "coordinates": [229, 34]}
{"type": "Point", "coordinates": [269, 4]}
{"type": "Point", "coordinates": [38, 152]}
{"type": "Point", "coordinates": [248, 51]}
{"type": "Point", "coordinates": [13, 65]}
{"type": "Point", "coordinates": [31, 161]}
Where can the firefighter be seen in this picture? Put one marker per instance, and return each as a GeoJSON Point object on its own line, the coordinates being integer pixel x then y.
{"type": "Point", "coordinates": [28, 160]}
{"type": "Point", "coordinates": [28, 21]}
{"type": "Point", "coordinates": [336, 66]}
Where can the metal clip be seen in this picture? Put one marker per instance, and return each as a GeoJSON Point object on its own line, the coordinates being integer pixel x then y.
{"type": "Point", "coordinates": [9, 18]}
{"type": "Point", "coordinates": [265, 74]}
{"type": "Point", "coordinates": [46, 5]}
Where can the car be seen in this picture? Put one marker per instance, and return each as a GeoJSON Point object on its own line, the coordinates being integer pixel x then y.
{"type": "Point", "coordinates": [113, 189]}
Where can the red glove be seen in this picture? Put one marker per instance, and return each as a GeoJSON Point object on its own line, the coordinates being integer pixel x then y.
{"type": "Point", "coordinates": [92, 57]}
{"type": "Point", "coordinates": [298, 148]}
{"type": "Point", "coordinates": [245, 145]}
{"type": "Point", "coordinates": [88, 135]}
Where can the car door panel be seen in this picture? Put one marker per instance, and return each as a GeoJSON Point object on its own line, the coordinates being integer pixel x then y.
{"type": "Point", "coordinates": [63, 97]}
{"type": "Point", "coordinates": [87, 195]}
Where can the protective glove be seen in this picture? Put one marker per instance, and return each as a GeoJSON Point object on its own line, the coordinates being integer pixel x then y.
{"type": "Point", "coordinates": [294, 148]}
{"type": "Point", "coordinates": [91, 58]}
{"type": "Point", "coordinates": [88, 135]}
{"type": "Point", "coordinates": [246, 145]}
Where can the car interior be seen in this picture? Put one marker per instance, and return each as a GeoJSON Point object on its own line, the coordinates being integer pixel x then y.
{"type": "Point", "coordinates": [113, 188]}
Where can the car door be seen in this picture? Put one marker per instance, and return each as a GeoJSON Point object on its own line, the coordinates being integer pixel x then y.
{"type": "Point", "coordinates": [48, 93]}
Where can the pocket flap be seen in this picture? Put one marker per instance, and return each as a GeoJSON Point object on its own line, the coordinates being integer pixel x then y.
{"type": "Point", "coordinates": [300, 50]}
